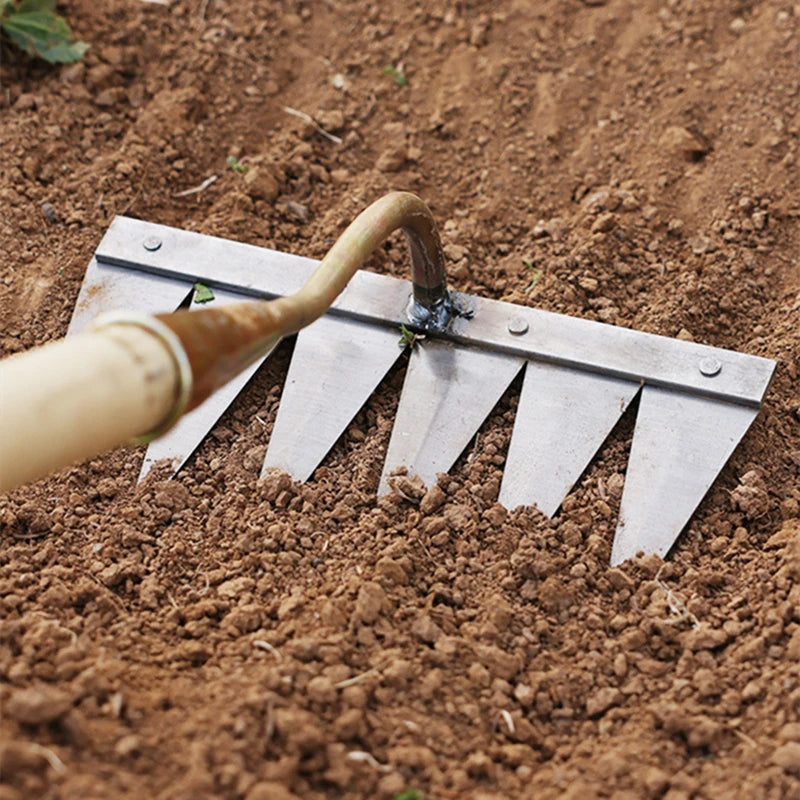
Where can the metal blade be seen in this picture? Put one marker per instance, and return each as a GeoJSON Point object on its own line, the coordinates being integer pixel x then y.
{"type": "Point", "coordinates": [185, 437]}
{"type": "Point", "coordinates": [563, 418]}
{"type": "Point", "coordinates": [448, 393]}
{"type": "Point", "coordinates": [336, 365]}
{"type": "Point", "coordinates": [680, 444]}
{"type": "Point", "coordinates": [109, 288]}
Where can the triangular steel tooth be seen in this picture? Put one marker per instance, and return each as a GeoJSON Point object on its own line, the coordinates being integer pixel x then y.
{"type": "Point", "coordinates": [680, 444]}
{"type": "Point", "coordinates": [564, 416]}
{"type": "Point", "coordinates": [183, 439]}
{"type": "Point", "coordinates": [336, 365]}
{"type": "Point", "coordinates": [447, 394]}
{"type": "Point", "coordinates": [109, 288]}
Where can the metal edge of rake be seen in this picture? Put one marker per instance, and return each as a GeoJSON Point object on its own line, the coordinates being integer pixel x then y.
{"type": "Point", "coordinates": [695, 401]}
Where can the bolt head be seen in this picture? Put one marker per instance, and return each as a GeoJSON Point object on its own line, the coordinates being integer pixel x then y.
{"type": "Point", "coordinates": [152, 243]}
{"type": "Point", "coordinates": [517, 326]}
{"type": "Point", "coordinates": [710, 367]}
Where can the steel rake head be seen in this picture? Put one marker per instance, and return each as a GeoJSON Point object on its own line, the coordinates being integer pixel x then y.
{"type": "Point", "coordinates": [695, 402]}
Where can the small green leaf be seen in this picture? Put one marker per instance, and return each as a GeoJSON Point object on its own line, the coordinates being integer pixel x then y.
{"type": "Point", "coordinates": [27, 6]}
{"type": "Point", "coordinates": [408, 338]}
{"type": "Point", "coordinates": [202, 294]}
{"type": "Point", "coordinates": [237, 165]}
{"type": "Point", "coordinates": [535, 275]}
{"type": "Point", "coordinates": [409, 794]}
{"type": "Point", "coordinates": [398, 76]}
{"type": "Point", "coordinates": [33, 27]}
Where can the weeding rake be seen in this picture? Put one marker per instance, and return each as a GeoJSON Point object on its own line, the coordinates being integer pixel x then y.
{"type": "Point", "coordinates": [134, 375]}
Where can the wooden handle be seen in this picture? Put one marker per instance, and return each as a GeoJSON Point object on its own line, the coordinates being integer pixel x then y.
{"type": "Point", "coordinates": [75, 398]}
{"type": "Point", "coordinates": [133, 377]}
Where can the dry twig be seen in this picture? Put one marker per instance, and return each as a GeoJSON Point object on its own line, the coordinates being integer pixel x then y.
{"type": "Point", "coordinates": [308, 118]}
{"type": "Point", "coordinates": [199, 188]}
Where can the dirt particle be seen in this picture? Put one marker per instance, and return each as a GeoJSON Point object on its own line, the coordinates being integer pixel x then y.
{"type": "Point", "coordinates": [37, 705]}
{"type": "Point", "coordinates": [706, 638]}
{"type": "Point", "coordinates": [269, 790]}
{"type": "Point", "coordinates": [787, 756]}
{"type": "Point", "coordinates": [426, 630]}
{"type": "Point", "coordinates": [432, 500]}
{"type": "Point", "coordinates": [602, 700]}
{"type": "Point", "coordinates": [369, 603]}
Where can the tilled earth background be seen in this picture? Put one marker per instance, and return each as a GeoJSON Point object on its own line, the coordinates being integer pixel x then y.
{"type": "Point", "coordinates": [221, 636]}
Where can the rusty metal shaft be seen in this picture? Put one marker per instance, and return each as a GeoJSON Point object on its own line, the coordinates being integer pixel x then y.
{"type": "Point", "coordinates": [221, 342]}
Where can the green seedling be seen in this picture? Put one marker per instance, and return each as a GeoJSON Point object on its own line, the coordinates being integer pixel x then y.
{"type": "Point", "coordinates": [34, 27]}
{"type": "Point", "coordinates": [237, 165]}
{"type": "Point", "coordinates": [395, 73]}
{"type": "Point", "coordinates": [408, 338]}
{"type": "Point", "coordinates": [536, 273]}
{"type": "Point", "coordinates": [202, 294]}
{"type": "Point", "coordinates": [409, 794]}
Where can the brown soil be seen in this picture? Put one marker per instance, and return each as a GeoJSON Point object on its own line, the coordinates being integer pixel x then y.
{"type": "Point", "coordinates": [221, 636]}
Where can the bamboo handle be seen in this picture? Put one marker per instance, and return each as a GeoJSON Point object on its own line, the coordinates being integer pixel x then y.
{"type": "Point", "coordinates": [72, 399]}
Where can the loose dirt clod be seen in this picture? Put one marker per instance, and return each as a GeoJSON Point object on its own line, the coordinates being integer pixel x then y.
{"type": "Point", "coordinates": [212, 640]}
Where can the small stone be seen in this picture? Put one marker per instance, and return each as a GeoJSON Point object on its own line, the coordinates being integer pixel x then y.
{"type": "Point", "coordinates": [331, 121]}
{"type": "Point", "coordinates": [392, 159]}
{"type": "Point", "coordinates": [272, 484]}
{"type": "Point", "coordinates": [588, 284]}
{"type": "Point", "coordinates": [620, 666]}
{"type": "Point", "coordinates": [73, 73]}
{"type": "Point", "coordinates": [260, 183]}
{"type": "Point", "coordinates": [432, 500]}
{"type": "Point", "coordinates": [789, 533]}
{"type": "Point", "coordinates": [128, 745]}
{"type": "Point", "coordinates": [701, 244]}
{"type": "Point", "coordinates": [19, 757]}
{"type": "Point", "coordinates": [604, 223]}
{"type": "Point", "coordinates": [499, 663]}
{"type": "Point", "coordinates": [245, 619]}
{"type": "Point", "coordinates": [684, 335]}
{"type": "Point", "coordinates": [290, 604]}
{"type": "Point", "coordinates": [340, 82]}
{"type": "Point", "coordinates": [37, 705]}
{"type": "Point", "coordinates": [751, 496]}
{"type": "Point", "coordinates": [297, 210]}
{"type": "Point", "coordinates": [107, 98]}
{"type": "Point", "coordinates": [459, 517]}
{"type": "Point", "coordinates": [26, 102]}
{"type": "Point", "coordinates": [602, 700]}
{"type": "Point", "coordinates": [737, 25]}
{"type": "Point", "coordinates": [426, 630]}
{"type": "Point", "coordinates": [235, 588]}
{"type": "Point", "coordinates": [790, 732]}
{"type": "Point", "coordinates": [787, 756]}
{"type": "Point", "coordinates": [706, 638]}
{"type": "Point", "coordinates": [391, 571]}
{"type": "Point", "coordinates": [49, 211]}
{"type": "Point", "coordinates": [683, 143]}
{"type": "Point", "coordinates": [409, 487]}
{"type": "Point", "coordinates": [369, 603]}
{"type": "Point", "coordinates": [619, 579]}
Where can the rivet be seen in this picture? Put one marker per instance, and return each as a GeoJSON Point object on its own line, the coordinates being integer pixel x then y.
{"type": "Point", "coordinates": [517, 326]}
{"type": "Point", "coordinates": [152, 243]}
{"type": "Point", "coordinates": [710, 367]}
